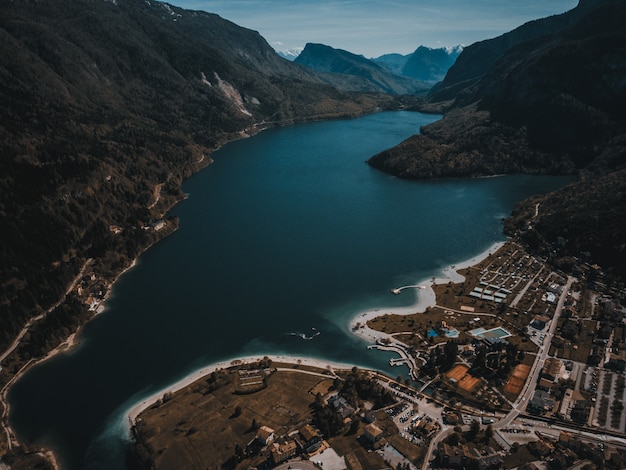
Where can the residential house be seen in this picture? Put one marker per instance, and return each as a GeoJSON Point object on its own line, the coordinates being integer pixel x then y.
{"type": "Point", "coordinates": [541, 447]}
{"type": "Point", "coordinates": [569, 441]}
{"type": "Point", "coordinates": [265, 435]}
{"type": "Point", "coordinates": [552, 369]}
{"type": "Point", "coordinates": [541, 403]}
{"type": "Point", "coordinates": [487, 458]}
{"type": "Point", "coordinates": [373, 433]}
{"type": "Point", "coordinates": [545, 385]}
{"type": "Point", "coordinates": [283, 451]}
{"type": "Point", "coordinates": [454, 456]}
{"type": "Point", "coordinates": [341, 406]}
{"type": "Point", "coordinates": [311, 438]}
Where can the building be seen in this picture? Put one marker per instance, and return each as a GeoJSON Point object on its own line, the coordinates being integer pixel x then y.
{"type": "Point", "coordinates": [451, 417]}
{"type": "Point", "coordinates": [462, 457]}
{"type": "Point", "coordinates": [487, 458]}
{"type": "Point", "coordinates": [541, 447]}
{"type": "Point", "coordinates": [265, 435]}
{"type": "Point", "coordinates": [581, 410]}
{"type": "Point", "coordinates": [539, 322]}
{"type": "Point", "coordinates": [311, 438]}
{"type": "Point", "coordinates": [373, 433]}
{"type": "Point", "coordinates": [467, 350]}
{"type": "Point", "coordinates": [541, 403]}
{"type": "Point", "coordinates": [283, 451]}
{"type": "Point", "coordinates": [569, 441]}
{"type": "Point", "coordinates": [341, 406]}
{"type": "Point", "coordinates": [454, 456]}
{"type": "Point", "coordinates": [555, 288]}
{"type": "Point", "coordinates": [552, 369]}
{"type": "Point", "coordinates": [545, 385]}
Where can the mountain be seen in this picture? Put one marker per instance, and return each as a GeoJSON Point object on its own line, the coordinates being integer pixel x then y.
{"type": "Point", "coordinates": [430, 64]}
{"type": "Point", "coordinates": [477, 59]}
{"type": "Point", "coordinates": [393, 62]}
{"type": "Point", "coordinates": [359, 73]}
{"type": "Point", "coordinates": [290, 54]}
{"type": "Point", "coordinates": [424, 64]}
{"type": "Point", "coordinates": [106, 107]}
{"type": "Point", "coordinates": [548, 97]}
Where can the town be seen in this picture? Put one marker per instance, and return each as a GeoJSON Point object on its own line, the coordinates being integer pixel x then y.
{"type": "Point", "coordinates": [518, 366]}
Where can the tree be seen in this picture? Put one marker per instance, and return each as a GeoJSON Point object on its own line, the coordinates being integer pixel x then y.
{"type": "Point", "coordinates": [454, 439]}
{"type": "Point", "coordinates": [239, 452]}
{"type": "Point", "coordinates": [488, 434]}
{"type": "Point", "coordinates": [473, 431]}
{"type": "Point", "coordinates": [319, 400]}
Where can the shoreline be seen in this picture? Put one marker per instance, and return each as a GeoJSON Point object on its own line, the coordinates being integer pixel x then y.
{"type": "Point", "coordinates": [72, 341]}
{"type": "Point", "coordinates": [133, 412]}
{"type": "Point", "coordinates": [425, 299]}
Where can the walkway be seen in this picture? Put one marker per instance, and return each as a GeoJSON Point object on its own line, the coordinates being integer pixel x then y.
{"type": "Point", "coordinates": [397, 290]}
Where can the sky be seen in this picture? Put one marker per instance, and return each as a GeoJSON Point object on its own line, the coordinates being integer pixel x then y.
{"type": "Point", "coordinates": [376, 27]}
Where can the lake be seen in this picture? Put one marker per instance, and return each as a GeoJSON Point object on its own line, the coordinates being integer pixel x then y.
{"type": "Point", "coordinates": [288, 230]}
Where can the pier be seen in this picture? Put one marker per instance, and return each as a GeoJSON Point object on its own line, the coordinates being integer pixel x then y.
{"type": "Point", "coordinates": [397, 290]}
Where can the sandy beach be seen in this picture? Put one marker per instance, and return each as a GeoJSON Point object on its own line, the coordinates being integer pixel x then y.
{"type": "Point", "coordinates": [426, 298]}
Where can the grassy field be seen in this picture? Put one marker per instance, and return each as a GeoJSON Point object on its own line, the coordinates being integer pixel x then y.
{"type": "Point", "coordinates": [202, 428]}
{"type": "Point", "coordinates": [196, 429]}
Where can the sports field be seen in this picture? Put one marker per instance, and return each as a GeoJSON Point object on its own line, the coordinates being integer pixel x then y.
{"type": "Point", "coordinates": [517, 379]}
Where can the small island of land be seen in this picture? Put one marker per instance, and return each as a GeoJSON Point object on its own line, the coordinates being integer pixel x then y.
{"type": "Point", "coordinates": [505, 361]}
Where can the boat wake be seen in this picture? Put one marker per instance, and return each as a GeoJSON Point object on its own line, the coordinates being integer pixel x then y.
{"type": "Point", "coordinates": [304, 336]}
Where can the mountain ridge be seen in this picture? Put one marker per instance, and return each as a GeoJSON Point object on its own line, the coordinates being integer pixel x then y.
{"type": "Point", "coordinates": [107, 108]}
{"type": "Point", "coordinates": [551, 104]}
{"type": "Point", "coordinates": [363, 74]}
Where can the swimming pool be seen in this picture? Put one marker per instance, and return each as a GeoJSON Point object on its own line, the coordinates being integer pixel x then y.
{"type": "Point", "coordinates": [497, 332]}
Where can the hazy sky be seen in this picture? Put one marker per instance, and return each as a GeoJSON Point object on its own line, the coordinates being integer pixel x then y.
{"type": "Point", "coordinates": [373, 28]}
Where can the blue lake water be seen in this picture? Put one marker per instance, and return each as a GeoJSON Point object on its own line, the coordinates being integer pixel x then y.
{"type": "Point", "coordinates": [286, 231]}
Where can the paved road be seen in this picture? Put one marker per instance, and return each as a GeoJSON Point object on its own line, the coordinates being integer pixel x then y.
{"type": "Point", "coordinates": [519, 406]}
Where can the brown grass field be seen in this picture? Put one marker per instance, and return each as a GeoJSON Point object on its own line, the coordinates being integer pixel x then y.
{"type": "Point", "coordinates": [196, 429]}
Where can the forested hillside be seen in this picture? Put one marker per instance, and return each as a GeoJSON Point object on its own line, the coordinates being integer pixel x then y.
{"type": "Point", "coordinates": [106, 107]}
{"type": "Point", "coordinates": [547, 98]}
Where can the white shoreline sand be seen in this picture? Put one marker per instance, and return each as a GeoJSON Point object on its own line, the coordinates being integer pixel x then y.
{"type": "Point", "coordinates": [144, 404]}
{"type": "Point", "coordinates": [426, 298]}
